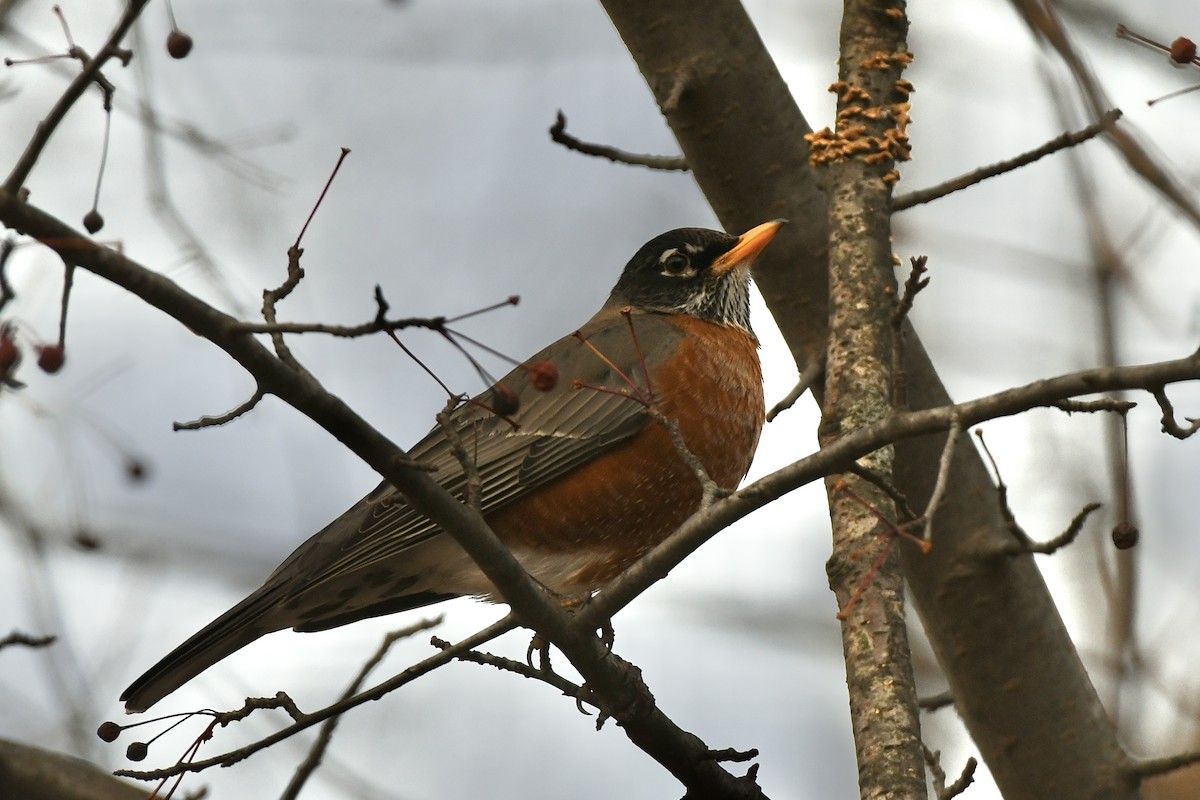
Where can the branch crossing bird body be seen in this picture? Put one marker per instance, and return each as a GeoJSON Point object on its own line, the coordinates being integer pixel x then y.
{"type": "Point", "coordinates": [579, 481]}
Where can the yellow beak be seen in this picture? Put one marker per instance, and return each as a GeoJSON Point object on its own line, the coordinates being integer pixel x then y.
{"type": "Point", "coordinates": [748, 246]}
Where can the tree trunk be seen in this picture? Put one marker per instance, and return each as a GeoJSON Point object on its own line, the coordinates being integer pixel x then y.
{"type": "Point", "coordinates": [1012, 668]}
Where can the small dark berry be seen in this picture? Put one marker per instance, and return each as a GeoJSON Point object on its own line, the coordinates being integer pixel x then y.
{"type": "Point", "coordinates": [135, 470]}
{"type": "Point", "coordinates": [9, 354]}
{"type": "Point", "coordinates": [137, 751]}
{"type": "Point", "coordinates": [543, 375]}
{"type": "Point", "coordinates": [93, 221]}
{"type": "Point", "coordinates": [88, 543]}
{"type": "Point", "coordinates": [504, 400]}
{"type": "Point", "coordinates": [1125, 536]}
{"type": "Point", "coordinates": [50, 358]}
{"type": "Point", "coordinates": [1183, 51]}
{"type": "Point", "coordinates": [108, 731]}
{"type": "Point", "coordinates": [179, 44]}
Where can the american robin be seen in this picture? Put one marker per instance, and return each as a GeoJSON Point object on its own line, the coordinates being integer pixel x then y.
{"type": "Point", "coordinates": [578, 479]}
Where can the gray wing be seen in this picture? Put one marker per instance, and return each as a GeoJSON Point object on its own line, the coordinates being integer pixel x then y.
{"type": "Point", "coordinates": [327, 581]}
{"type": "Point", "coordinates": [554, 433]}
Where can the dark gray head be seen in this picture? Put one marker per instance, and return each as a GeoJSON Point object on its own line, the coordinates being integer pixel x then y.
{"type": "Point", "coordinates": [694, 271]}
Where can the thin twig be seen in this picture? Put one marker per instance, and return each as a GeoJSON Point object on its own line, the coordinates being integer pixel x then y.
{"type": "Point", "coordinates": [1161, 766]}
{"type": "Point", "coordinates": [808, 378]}
{"type": "Point", "coordinates": [937, 701]}
{"type": "Point", "coordinates": [1065, 538]}
{"type": "Point", "coordinates": [90, 73]}
{"type": "Point", "coordinates": [342, 331]}
{"type": "Point", "coordinates": [910, 199]}
{"type": "Point", "coordinates": [325, 735]}
{"type": "Point", "coordinates": [962, 782]}
{"type": "Point", "coordinates": [474, 485]}
{"type": "Point", "coordinates": [1169, 424]}
{"type": "Point", "coordinates": [221, 419]}
{"type": "Point", "coordinates": [939, 487]}
{"type": "Point", "coordinates": [933, 759]}
{"type": "Point", "coordinates": [329, 182]}
{"type": "Point", "coordinates": [682, 80]}
{"type": "Point", "coordinates": [710, 490]}
{"type": "Point", "coordinates": [158, 188]}
{"type": "Point", "coordinates": [417, 670]}
{"type": "Point", "coordinates": [272, 298]}
{"type": "Point", "coordinates": [913, 285]}
{"type": "Point", "coordinates": [6, 291]}
{"type": "Point", "coordinates": [558, 133]}
{"type": "Point", "coordinates": [547, 676]}
{"type": "Point", "coordinates": [903, 507]}
{"type": "Point", "coordinates": [26, 640]}
{"type": "Point", "coordinates": [734, 755]}
{"type": "Point", "coordinates": [1093, 406]}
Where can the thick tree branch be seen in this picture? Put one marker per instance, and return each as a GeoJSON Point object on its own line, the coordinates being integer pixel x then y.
{"type": "Point", "coordinates": [857, 161]}
{"type": "Point", "coordinates": [30, 773]}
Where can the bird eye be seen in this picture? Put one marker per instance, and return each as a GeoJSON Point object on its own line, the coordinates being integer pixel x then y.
{"type": "Point", "coordinates": [676, 264]}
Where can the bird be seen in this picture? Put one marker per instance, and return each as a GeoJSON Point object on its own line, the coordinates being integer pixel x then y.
{"type": "Point", "coordinates": [576, 471]}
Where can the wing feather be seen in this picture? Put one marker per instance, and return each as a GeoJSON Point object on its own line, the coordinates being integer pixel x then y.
{"type": "Point", "coordinates": [554, 433]}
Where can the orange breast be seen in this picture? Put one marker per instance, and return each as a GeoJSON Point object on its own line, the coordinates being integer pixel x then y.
{"type": "Point", "coordinates": [631, 497]}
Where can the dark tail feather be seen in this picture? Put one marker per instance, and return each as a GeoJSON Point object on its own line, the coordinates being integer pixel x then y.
{"type": "Point", "coordinates": [228, 633]}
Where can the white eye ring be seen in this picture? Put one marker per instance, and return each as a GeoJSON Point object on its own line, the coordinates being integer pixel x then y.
{"type": "Point", "coordinates": [676, 264]}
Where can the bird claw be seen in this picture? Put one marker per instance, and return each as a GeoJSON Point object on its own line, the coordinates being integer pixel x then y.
{"type": "Point", "coordinates": [540, 645]}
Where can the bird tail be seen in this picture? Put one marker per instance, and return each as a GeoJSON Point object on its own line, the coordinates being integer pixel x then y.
{"type": "Point", "coordinates": [228, 633]}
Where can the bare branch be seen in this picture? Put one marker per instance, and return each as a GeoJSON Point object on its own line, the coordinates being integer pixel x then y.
{"type": "Point", "coordinates": [474, 487]}
{"type": "Point", "coordinates": [343, 331]}
{"type": "Point", "coordinates": [229, 416]}
{"type": "Point", "coordinates": [325, 735]}
{"type": "Point", "coordinates": [709, 488]}
{"type": "Point", "coordinates": [342, 157]}
{"type": "Point", "coordinates": [6, 291]}
{"type": "Point", "coordinates": [89, 74]}
{"type": "Point", "coordinates": [904, 509]}
{"type": "Point", "coordinates": [1092, 406]}
{"type": "Point", "coordinates": [558, 133]}
{"type": "Point", "coordinates": [232, 757]}
{"type": "Point", "coordinates": [1018, 548]}
{"type": "Point", "coordinates": [913, 284]}
{"type": "Point", "coordinates": [936, 702]}
{"type": "Point", "coordinates": [547, 676]}
{"type": "Point", "coordinates": [1140, 770]}
{"type": "Point", "coordinates": [280, 700]}
{"type": "Point", "coordinates": [939, 488]}
{"type": "Point", "coordinates": [808, 378]}
{"type": "Point", "coordinates": [272, 297]}
{"type": "Point", "coordinates": [1071, 139]}
{"type": "Point", "coordinates": [1169, 425]}
{"type": "Point", "coordinates": [26, 640]}
{"type": "Point", "coordinates": [730, 754]}
{"type": "Point", "coordinates": [962, 782]}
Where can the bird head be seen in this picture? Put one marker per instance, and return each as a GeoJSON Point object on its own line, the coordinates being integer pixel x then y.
{"type": "Point", "coordinates": [694, 271]}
